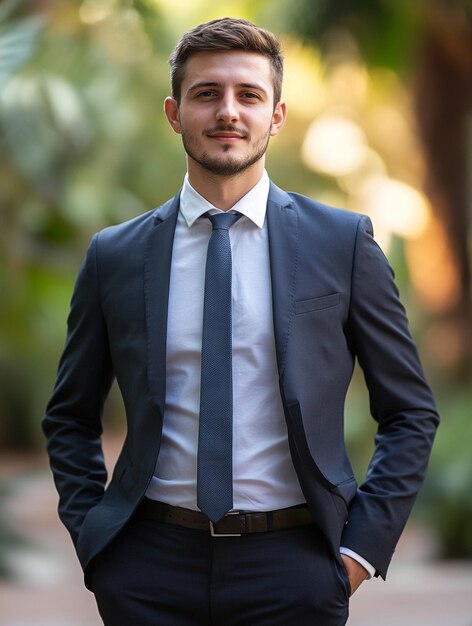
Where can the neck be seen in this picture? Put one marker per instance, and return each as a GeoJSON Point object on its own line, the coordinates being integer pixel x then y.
{"type": "Point", "coordinates": [224, 192]}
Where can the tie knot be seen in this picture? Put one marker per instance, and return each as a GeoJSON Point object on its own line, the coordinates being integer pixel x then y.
{"type": "Point", "coordinates": [223, 221]}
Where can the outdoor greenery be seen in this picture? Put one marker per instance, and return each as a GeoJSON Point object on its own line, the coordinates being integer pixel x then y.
{"type": "Point", "coordinates": [84, 144]}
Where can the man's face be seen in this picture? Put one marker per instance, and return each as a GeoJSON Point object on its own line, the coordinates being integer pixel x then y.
{"type": "Point", "coordinates": [226, 114]}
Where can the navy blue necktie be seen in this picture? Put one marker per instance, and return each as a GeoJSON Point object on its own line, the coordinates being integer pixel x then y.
{"type": "Point", "coordinates": [215, 437]}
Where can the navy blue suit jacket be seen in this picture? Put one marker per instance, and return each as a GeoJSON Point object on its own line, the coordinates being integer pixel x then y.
{"type": "Point", "coordinates": [334, 300]}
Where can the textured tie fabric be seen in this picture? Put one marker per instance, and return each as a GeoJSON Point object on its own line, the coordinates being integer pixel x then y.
{"type": "Point", "coordinates": [215, 437]}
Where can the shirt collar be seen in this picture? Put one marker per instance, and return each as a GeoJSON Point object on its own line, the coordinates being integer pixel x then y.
{"type": "Point", "coordinates": [253, 205]}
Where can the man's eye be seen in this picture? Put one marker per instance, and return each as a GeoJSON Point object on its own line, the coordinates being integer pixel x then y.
{"type": "Point", "coordinates": [206, 94]}
{"type": "Point", "coordinates": [250, 96]}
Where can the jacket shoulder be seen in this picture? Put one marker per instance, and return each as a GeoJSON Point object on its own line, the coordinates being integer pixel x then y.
{"type": "Point", "coordinates": [313, 209]}
{"type": "Point", "coordinates": [132, 230]}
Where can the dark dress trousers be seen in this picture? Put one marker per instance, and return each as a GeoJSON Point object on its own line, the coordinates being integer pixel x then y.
{"type": "Point", "coordinates": [334, 300]}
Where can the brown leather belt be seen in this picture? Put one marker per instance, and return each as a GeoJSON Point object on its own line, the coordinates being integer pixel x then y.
{"type": "Point", "coordinates": [233, 524]}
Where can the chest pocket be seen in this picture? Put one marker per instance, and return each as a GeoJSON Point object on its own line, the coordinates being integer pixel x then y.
{"type": "Point", "coordinates": [317, 304]}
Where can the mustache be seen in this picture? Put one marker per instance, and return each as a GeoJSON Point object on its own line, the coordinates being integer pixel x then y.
{"type": "Point", "coordinates": [226, 129]}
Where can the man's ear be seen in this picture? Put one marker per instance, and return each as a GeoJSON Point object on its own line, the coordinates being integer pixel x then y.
{"type": "Point", "coordinates": [171, 109]}
{"type": "Point", "coordinates": [278, 118]}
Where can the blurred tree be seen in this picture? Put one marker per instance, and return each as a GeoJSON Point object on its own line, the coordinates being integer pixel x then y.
{"type": "Point", "coordinates": [443, 105]}
{"type": "Point", "coordinates": [430, 43]}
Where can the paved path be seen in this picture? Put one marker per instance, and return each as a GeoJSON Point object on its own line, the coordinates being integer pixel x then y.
{"type": "Point", "coordinates": [47, 586]}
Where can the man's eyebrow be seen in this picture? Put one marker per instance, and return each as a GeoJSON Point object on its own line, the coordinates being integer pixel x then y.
{"type": "Point", "coordinates": [213, 84]}
{"type": "Point", "coordinates": [204, 85]}
{"type": "Point", "coordinates": [253, 86]}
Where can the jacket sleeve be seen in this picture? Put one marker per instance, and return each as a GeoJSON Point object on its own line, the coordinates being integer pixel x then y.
{"type": "Point", "coordinates": [400, 401]}
{"type": "Point", "coordinates": [72, 423]}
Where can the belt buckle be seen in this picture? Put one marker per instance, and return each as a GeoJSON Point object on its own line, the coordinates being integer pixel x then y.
{"type": "Point", "coordinates": [215, 534]}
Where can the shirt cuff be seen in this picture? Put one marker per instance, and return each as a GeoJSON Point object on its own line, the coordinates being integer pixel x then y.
{"type": "Point", "coordinates": [365, 564]}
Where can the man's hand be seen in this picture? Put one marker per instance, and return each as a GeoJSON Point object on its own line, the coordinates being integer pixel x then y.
{"type": "Point", "coordinates": [356, 573]}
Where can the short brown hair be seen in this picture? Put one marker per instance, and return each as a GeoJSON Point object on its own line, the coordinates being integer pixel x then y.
{"type": "Point", "coordinates": [226, 33]}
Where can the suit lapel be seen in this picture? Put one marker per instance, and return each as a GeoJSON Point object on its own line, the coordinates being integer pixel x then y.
{"type": "Point", "coordinates": [157, 265]}
{"type": "Point", "coordinates": [282, 221]}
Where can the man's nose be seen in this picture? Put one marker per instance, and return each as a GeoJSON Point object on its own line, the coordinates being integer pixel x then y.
{"type": "Point", "coordinates": [228, 109]}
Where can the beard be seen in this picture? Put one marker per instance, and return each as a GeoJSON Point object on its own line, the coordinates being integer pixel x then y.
{"type": "Point", "coordinates": [229, 166]}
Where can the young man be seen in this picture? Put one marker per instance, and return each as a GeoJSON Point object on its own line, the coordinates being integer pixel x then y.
{"type": "Point", "coordinates": [231, 317]}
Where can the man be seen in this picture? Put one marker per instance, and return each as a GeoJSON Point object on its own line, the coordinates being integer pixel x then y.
{"type": "Point", "coordinates": [233, 501]}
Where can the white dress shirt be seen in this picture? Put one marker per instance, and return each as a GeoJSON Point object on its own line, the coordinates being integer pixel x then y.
{"type": "Point", "coordinates": [264, 478]}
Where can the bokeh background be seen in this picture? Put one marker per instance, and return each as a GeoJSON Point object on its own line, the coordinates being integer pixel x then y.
{"type": "Point", "coordinates": [379, 94]}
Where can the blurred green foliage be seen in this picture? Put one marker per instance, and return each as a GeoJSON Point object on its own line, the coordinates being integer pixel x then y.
{"type": "Point", "coordinates": [81, 139]}
{"type": "Point", "coordinates": [446, 501]}
{"type": "Point", "coordinates": [385, 30]}
{"type": "Point", "coordinates": [84, 143]}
